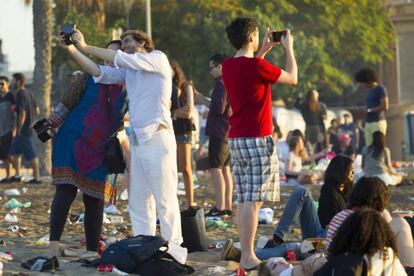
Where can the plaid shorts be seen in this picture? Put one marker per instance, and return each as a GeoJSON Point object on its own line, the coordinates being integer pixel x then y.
{"type": "Point", "coordinates": [255, 169]}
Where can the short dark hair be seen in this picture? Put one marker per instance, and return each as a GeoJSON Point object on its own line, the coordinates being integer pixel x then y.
{"type": "Point", "coordinates": [6, 79]}
{"type": "Point", "coordinates": [115, 41]}
{"type": "Point", "coordinates": [365, 232]}
{"type": "Point", "coordinates": [369, 192]}
{"type": "Point", "coordinates": [19, 77]}
{"type": "Point", "coordinates": [239, 30]}
{"type": "Point", "coordinates": [217, 58]}
{"type": "Point", "coordinates": [140, 36]}
{"type": "Point", "coordinates": [366, 75]}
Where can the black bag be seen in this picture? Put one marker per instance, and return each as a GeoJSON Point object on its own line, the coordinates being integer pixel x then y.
{"type": "Point", "coordinates": [344, 265]}
{"type": "Point", "coordinates": [194, 229]}
{"type": "Point", "coordinates": [114, 156]}
{"type": "Point", "coordinates": [144, 255]}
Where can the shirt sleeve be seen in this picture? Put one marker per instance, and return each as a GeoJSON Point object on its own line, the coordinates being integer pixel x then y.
{"type": "Point", "coordinates": [218, 100]}
{"type": "Point", "coordinates": [382, 92]}
{"type": "Point", "coordinates": [110, 75]}
{"type": "Point", "coordinates": [155, 61]}
{"type": "Point", "coordinates": [20, 102]}
{"type": "Point", "coordinates": [269, 72]}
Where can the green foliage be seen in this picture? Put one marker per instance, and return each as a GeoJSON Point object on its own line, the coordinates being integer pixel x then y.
{"type": "Point", "coordinates": [332, 38]}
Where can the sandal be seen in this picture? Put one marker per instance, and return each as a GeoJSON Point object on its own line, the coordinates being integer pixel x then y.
{"type": "Point", "coordinates": [42, 264]}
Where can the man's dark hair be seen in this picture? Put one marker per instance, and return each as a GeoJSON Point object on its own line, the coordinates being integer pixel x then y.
{"type": "Point", "coordinates": [140, 36]}
{"type": "Point", "coordinates": [6, 79]}
{"type": "Point", "coordinates": [366, 75]}
{"type": "Point", "coordinates": [239, 30]}
{"type": "Point", "coordinates": [217, 59]}
{"type": "Point", "coordinates": [337, 173]}
{"type": "Point", "coordinates": [369, 192]}
{"type": "Point", "coordinates": [365, 232]}
{"type": "Point", "coordinates": [19, 77]}
{"type": "Point", "coordinates": [115, 41]}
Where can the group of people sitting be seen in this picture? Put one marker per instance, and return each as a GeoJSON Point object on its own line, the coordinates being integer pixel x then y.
{"type": "Point", "coordinates": [357, 230]}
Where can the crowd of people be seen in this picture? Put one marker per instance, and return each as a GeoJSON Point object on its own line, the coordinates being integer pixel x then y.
{"type": "Point", "coordinates": [244, 147]}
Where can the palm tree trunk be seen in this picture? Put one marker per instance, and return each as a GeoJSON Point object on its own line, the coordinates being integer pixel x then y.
{"type": "Point", "coordinates": [42, 75]}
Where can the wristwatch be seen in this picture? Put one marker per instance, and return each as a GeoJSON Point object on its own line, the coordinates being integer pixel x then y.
{"type": "Point", "coordinates": [369, 110]}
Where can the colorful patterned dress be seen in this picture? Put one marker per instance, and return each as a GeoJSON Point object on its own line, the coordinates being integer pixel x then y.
{"type": "Point", "coordinates": [81, 143]}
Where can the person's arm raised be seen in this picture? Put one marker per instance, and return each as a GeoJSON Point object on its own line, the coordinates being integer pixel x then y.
{"type": "Point", "coordinates": [104, 54]}
{"type": "Point", "coordinates": [290, 76]}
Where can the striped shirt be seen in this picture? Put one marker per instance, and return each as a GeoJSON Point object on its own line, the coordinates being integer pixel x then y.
{"type": "Point", "coordinates": [335, 223]}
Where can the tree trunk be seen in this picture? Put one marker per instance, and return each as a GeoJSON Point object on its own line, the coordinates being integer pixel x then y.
{"type": "Point", "coordinates": [42, 75]}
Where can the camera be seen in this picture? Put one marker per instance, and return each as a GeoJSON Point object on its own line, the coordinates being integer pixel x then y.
{"type": "Point", "coordinates": [67, 31]}
{"type": "Point", "coordinates": [277, 36]}
{"type": "Point", "coordinates": [44, 130]}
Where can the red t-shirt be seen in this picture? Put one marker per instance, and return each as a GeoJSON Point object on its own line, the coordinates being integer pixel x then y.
{"type": "Point", "coordinates": [247, 82]}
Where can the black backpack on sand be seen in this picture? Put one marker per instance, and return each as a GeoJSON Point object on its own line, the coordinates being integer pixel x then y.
{"type": "Point", "coordinates": [144, 255]}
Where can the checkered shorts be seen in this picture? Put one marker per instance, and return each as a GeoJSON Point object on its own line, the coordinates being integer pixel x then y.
{"type": "Point", "coordinates": [255, 169]}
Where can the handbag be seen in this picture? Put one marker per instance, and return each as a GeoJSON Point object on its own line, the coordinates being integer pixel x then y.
{"type": "Point", "coordinates": [114, 157]}
{"type": "Point", "coordinates": [194, 229]}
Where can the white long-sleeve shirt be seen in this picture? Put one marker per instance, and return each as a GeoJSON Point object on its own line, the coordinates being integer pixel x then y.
{"type": "Point", "coordinates": [148, 81]}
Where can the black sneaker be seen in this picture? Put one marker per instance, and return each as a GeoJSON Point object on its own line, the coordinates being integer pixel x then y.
{"type": "Point", "coordinates": [214, 212]}
{"type": "Point", "coordinates": [228, 212]}
{"type": "Point", "coordinates": [15, 179]}
{"type": "Point", "coordinates": [276, 241]}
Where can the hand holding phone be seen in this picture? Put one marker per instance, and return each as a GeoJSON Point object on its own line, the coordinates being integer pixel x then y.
{"type": "Point", "coordinates": [67, 31]}
{"type": "Point", "coordinates": [277, 36]}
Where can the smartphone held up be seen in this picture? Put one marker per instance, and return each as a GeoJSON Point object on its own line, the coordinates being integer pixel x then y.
{"type": "Point", "coordinates": [277, 36]}
{"type": "Point", "coordinates": [67, 31]}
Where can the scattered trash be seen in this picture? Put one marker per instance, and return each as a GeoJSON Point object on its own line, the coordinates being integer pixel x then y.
{"type": "Point", "coordinates": [24, 190]}
{"type": "Point", "coordinates": [12, 192]}
{"type": "Point", "coordinates": [113, 232]}
{"type": "Point", "coordinates": [124, 195]}
{"type": "Point", "coordinates": [80, 219]}
{"type": "Point", "coordinates": [3, 243]}
{"type": "Point", "coordinates": [211, 246]}
{"type": "Point", "coordinates": [6, 256]}
{"type": "Point", "coordinates": [116, 219]}
{"type": "Point", "coordinates": [1, 268]}
{"type": "Point", "coordinates": [266, 215]}
{"type": "Point", "coordinates": [217, 222]}
{"type": "Point", "coordinates": [10, 218]}
{"type": "Point", "coordinates": [279, 207]}
{"type": "Point", "coordinates": [14, 203]}
{"type": "Point", "coordinates": [285, 194]}
{"type": "Point", "coordinates": [111, 209]}
{"type": "Point", "coordinates": [291, 255]}
{"type": "Point", "coordinates": [38, 265]}
{"type": "Point", "coordinates": [13, 228]}
{"type": "Point", "coordinates": [261, 242]}
{"type": "Point", "coordinates": [43, 240]}
{"type": "Point", "coordinates": [220, 244]}
{"type": "Point", "coordinates": [111, 268]}
{"type": "Point", "coordinates": [111, 240]}
{"type": "Point", "coordinates": [105, 220]}
{"type": "Point", "coordinates": [216, 270]}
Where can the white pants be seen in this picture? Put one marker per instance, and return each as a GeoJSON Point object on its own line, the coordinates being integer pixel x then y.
{"type": "Point", "coordinates": [153, 187]}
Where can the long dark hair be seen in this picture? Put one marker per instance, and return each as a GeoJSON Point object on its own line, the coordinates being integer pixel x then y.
{"type": "Point", "coordinates": [312, 104]}
{"type": "Point", "coordinates": [364, 232]}
{"type": "Point", "coordinates": [378, 144]}
{"type": "Point", "coordinates": [179, 79]}
{"type": "Point", "coordinates": [337, 173]}
{"type": "Point", "coordinates": [369, 192]}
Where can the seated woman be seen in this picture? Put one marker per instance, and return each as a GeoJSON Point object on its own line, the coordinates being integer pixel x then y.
{"type": "Point", "coordinates": [344, 147]}
{"type": "Point", "coordinates": [371, 192]}
{"type": "Point", "coordinates": [364, 245]}
{"type": "Point", "coordinates": [294, 171]}
{"type": "Point", "coordinates": [376, 161]}
{"type": "Point", "coordinates": [300, 207]}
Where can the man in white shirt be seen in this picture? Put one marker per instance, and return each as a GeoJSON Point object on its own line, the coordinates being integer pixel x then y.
{"type": "Point", "coordinates": [147, 75]}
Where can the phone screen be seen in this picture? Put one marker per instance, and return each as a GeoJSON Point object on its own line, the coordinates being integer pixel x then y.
{"type": "Point", "coordinates": [277, 36]}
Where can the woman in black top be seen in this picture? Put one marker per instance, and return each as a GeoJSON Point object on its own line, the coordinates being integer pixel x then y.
{"type": "Point", "coordinates": [336, 188]}
{"type": "Point", "coordinates": [182, 111]}
{"type": "Point", "coordinates": [313, 113]}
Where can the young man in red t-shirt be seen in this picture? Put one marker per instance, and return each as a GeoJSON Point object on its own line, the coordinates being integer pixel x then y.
{"type": "Point", "coordinates": [247, 80]}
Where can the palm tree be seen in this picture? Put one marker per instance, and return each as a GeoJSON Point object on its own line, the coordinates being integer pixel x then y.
{"type": "Point", "coordinates": [42, 75]}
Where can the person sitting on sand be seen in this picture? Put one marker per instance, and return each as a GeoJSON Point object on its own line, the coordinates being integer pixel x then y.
{"type": "Point", "coordinates": [371, 192]}
{"type": "Point", "coordinates": [376, 161]}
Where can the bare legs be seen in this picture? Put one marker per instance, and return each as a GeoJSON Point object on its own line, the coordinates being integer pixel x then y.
{"type": "Point", "coordinates": [184, 166]}
{"type": "Point", "coordinates": [223, 184]}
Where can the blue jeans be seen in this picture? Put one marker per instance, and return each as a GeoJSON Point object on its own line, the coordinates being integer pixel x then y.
{"type": "Point", "coordinates": [278, 251]}
{"type": "Point", "coordinates": [300, 208]}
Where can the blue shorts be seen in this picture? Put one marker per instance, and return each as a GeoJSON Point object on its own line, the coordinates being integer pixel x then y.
{"type": "Point", "coordinates": [23, 145]}
{"type": "Point", "coordinates": [184, 138]}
